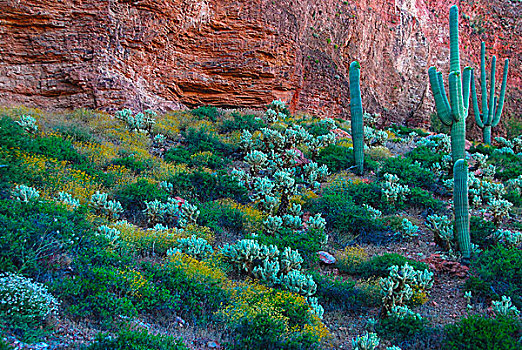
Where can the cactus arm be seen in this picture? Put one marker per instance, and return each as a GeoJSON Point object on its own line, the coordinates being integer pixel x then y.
{"type": "Point", "coordinates": [483, 86]}
{"type": "Point", "coordinates": [491, 92]}
{"type": "Point", "coordinates": [461, 206]}
{"type": "Point", "coordinates": [443, 94]}
{"type": "Point", "coordinates": [455, 88]}
{"type": "Point", "coordinates": [466, 78]}
{"type": "Point", "coordinates": [357, 116]}
{"type": "Point", "coordinates": [454, 39]}
{"type": "Point", "coordinates": [441, 105]}
{"type": "Point", "coordinates": [476, 110]}
{"type": "Point", "coordinates": [500, 106]}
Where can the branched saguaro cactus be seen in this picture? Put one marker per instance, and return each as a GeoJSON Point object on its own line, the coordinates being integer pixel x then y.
{"type": "Point", "coordinates": [490, 116]}
{"type": "Point", "coordinates": [357, 116]}
{"type": "Point", "coordinates": [461, 206]}
{"type": "Point", "coordinates": [454, 112]}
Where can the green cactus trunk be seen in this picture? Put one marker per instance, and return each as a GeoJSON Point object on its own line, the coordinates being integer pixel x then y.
{"type": "Point", "coordinates": [487, 134]}
{"type": "Point", "coordinates": [357, 117]}
{"type": "Point", "coordinates": [461, 206]}
{"type": "Point", "coordinates": [453, 112]}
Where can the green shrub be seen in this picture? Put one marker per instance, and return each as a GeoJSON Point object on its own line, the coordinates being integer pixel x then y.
{"type": "Point", "coordinates": [421, 198]}
{"type": "Point", "coordinates": [219, 217]}
{"type": "Point", "coordinates": [133, 196]}
{"type": "Point", "coordinates": [32, 233]}
{"type": "Point", "coordinates": [378, 266]}
{"type": "Point", "coordinates": [201, 186]}
{"type": "Point", "coordinates": [204, 141]}
{"type": "Point", "coordinates": [336, 293]}
{"type": "Point", "coordinates": [481, 230]}
{"type": "Point", "coordinates": [478, 332]}
{"type": "Point", "coordinates": [206, 112]}
{"type": "Point", "coordinates": [240, 122]}
{"type": "Point", "coordinates": [513, 127]}
{"type": "Point", "coordinates": [400, 329]}
{"type": "Point", "coordinates": [135, 340]}
{"type": "Point", "coordinates": [130, 162]}
{"type": "Point", "coordinates": [425, 156]}
{"type": "Point", "coordinates": [338, 158]}
{"type": "Point", "coordinates": [499, 270]}
{"type": "Point", "coordinates": [409, 173]}
{"type": "Point", "coordinates": [405, 131]}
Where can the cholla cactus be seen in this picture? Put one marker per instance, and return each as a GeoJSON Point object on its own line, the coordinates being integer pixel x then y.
{"type": "Point", "coordinates": [113, 209]}
{"type": "Point", "coordinates": [141, 122]}
{"type": "Point", "coordinates": [20, 296]}
{"type": "Point", "coordinates": [290, 260]}
{"type": "Point", "coordinates": [391, 189]}
{"type": "Point", "coordinates": [440, 143]}
{"type": "Point", "coordinates": [375, 213]}
{"type": "Point", "coordinates": [257, 161]}
{"type": "Point", "coordinates": [403, 312]}
{"type": "Point", "coordinates": [160, 227]}
{"type": "Point", "coordinates": [505, 307]}
{"type": "Point", "coordinates": [297, 282]}
{"type": "Point", "coordinates": [409, 230]}
{"type": "Point", "coordinates": [167, 187]}
{"type": "Point", "coordinates": [315, 307]}
{"type": "Point", "coordinates": [510, 146]}
{"type": "Point", "coordinates": [155, 211]}
{"type": "Point", "coordinates": [508, 238]}
{"type": "Point", "coordinates": [189, 214]}
{"type": "Point", "coordinates": [28, 123]}
{"type": "Point", "coordinates": [515, 185]}
{"type": "Point", "coordinates": [272, 224]}
{"type": "Point", "coordinates": [394, 347]}
{"type": "Point", "coordinates": [316, 222]}
{"type": "Point", "coordinates": [267, 272]}
{"type": "Point", "coordinates": [292, 222]}
{"type": "Point", "coordinates": [500, 208]}
{"type": "Point", "coordinates": [67, 199]}
{"type": "Point", "coordinates": [193, 246]}
{"type": "Point", "coordinates": [374, 137]}
{"type": "Point", "coordinates": [25, 193]}
{"type": "Point", "coordinates": [467, 296]}
{"type": "Point", "coordinates": [98, 201]}
{"type": "Point", "coordinates": [242, 253]}
{"type": "Point", "coordinates": [397, 288]}
{"type": "Point", "coordinates": [112, 234]}
{"type": "Point", "coordinates": [160, 139]}
{"type": "Point", "coordinates": [368, 341]}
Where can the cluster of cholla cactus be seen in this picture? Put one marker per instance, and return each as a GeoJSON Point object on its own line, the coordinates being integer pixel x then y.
{"type": "Point", "coordinates": [25, 193]}
{"type": "Point", "coordinates": [102, 205]}
{"type": "Point", "coordinates": [398, 287]}
{"type": "Point", "coordinates": [275, 164]}
{"type": "Point", "coordinates": [356, 112]}
{"type": "Point", "coordinates": [374, 137]}
{"type": "Point", "coordinates": [442, 229]}
{"type": "Point", "coordinates": [270, 266]}
{"type": "Point", "coordinates": [439, 143]}
{"type": "Point", "coordinates": [369, 341]}
{"type": "Point", "coordinates": [194, 246]}
{"type": "Point", "coordinates": [508, 238]}
{"type": "Point", "coordinates": [515, 185]}
{"type": "Point", "coordinates": [391, 190]}
{"type": "Point", "coordinates": [174, 211]}
{"type": "Point", "coordinates": [490, 116]}
{"type": "Point", "coordinates": [139, 122]}
{"type": "Point", "coordinates": [293, 220]}
{"type": "Point", "coordinates": [159, 139]}
{"type": "Point", "coordinates": [375, 213]}
{"type": "Point", "coordinates": [482, 168]}
{"type": "Point", "coordinates": [504, 307]}
{"type": "Point", "coordinates": [513, 146]}
{"type": "Point", "coordinates": [67, 199]}
{"type": "Point", "coordinates": [28, 123]}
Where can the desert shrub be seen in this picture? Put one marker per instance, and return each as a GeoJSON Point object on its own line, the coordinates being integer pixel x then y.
{"type": "Point", "coordinates": [204, 187]}
{"type": "Point", "coordinates": [481, 231]}
{"type": "Point", "coordinates": [425, 156]}
{"type": "Point", "coordinates": [200, 286]}
{"type": "Point", "coordinates": [130, 162]}
{"type": "Point", "coordinates": [421, 198]}
{"type": "Point", "coordinates": [478, 332]}
{"type": "Point", "coordinates": [177, 155]}
{"type": "Point", "coordinates": [74, 131]}
{"type": "Point", "coordinates": [133, 196]}
{"type": "Point", "coordinates": [336, 293]}
{"type": "Point", "coordinates": [377, 266]}
{"type": "Point", "coordinates": [241, 122]}
{"type": "Point", "coordinates": [497, 272]}
{"type": "Point", "coordinates": [135, 340]}
{"type": "Point", "coordinates": [205, 141]}
{"type": "Point", "coordinates": [401, 328]}
{"type": "Point", "coordinates": [405, 131]}
{"type": "Point", "coordinates": [513, 127]}
{"type": "Point", "coordinates": [262, 318]}
{"type": "Point", "coordinates": [220, 217]}
{"type": "Point", "coordinates": [31, 234]}
{"type": "Point", "coordinates": [206, 112]}
{"type": "Point", "coordinates": [508, 166]}
{"type": "Point", "coordinates": [338, 158]}
{"type": "Point", "coordinates": [409, 173]}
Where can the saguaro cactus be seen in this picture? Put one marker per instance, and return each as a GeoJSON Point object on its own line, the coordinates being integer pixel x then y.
{"type": "Point", "coordinates": [357, 116]}
{"type": "Point", "coordinates": [490, 116]}
{"type": "Point", "coordinates": [461, 206]}
{"type": "Point", "coordinates": [454, 112]}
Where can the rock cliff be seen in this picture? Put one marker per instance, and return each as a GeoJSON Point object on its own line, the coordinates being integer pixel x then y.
{"type": "Point", "coordinates": [170, 54]}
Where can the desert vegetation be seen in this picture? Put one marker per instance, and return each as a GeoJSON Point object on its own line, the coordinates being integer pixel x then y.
{"type": "Point", "coordinates": [237, 229]}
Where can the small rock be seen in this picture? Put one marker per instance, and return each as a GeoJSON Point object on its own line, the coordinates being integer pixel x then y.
{"type": "Point", "coordinates": [326, 258]}
{"type": "Point", "coordinates": [212, 344]}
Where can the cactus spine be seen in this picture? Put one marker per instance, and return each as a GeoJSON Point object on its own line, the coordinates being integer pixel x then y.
{"type": "Point", "coordinates": [357, 116]}
{"type": "Point", "coordinates": [490, 116]}
{"type": "Point", "coordinates": [461, 206]}
{"type": "Point", "coordinates": [454, 112]}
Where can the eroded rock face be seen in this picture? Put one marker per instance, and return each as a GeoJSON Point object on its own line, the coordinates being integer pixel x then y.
{"type": "Point", "coordinates": [169, 54]}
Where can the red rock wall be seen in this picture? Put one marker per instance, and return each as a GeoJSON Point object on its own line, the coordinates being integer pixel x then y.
{"type": "Point", "coordinates": [169, 54]}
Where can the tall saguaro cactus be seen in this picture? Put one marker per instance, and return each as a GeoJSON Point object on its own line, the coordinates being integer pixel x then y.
{"type": "Point", "coordinates": [461, 206]}
{"type": "Point", "coordinates": [454, 112]}
{"type": "Point", "coordinates": [357, 116]}
{"type": "Point", "coordinates": [490, 116]}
